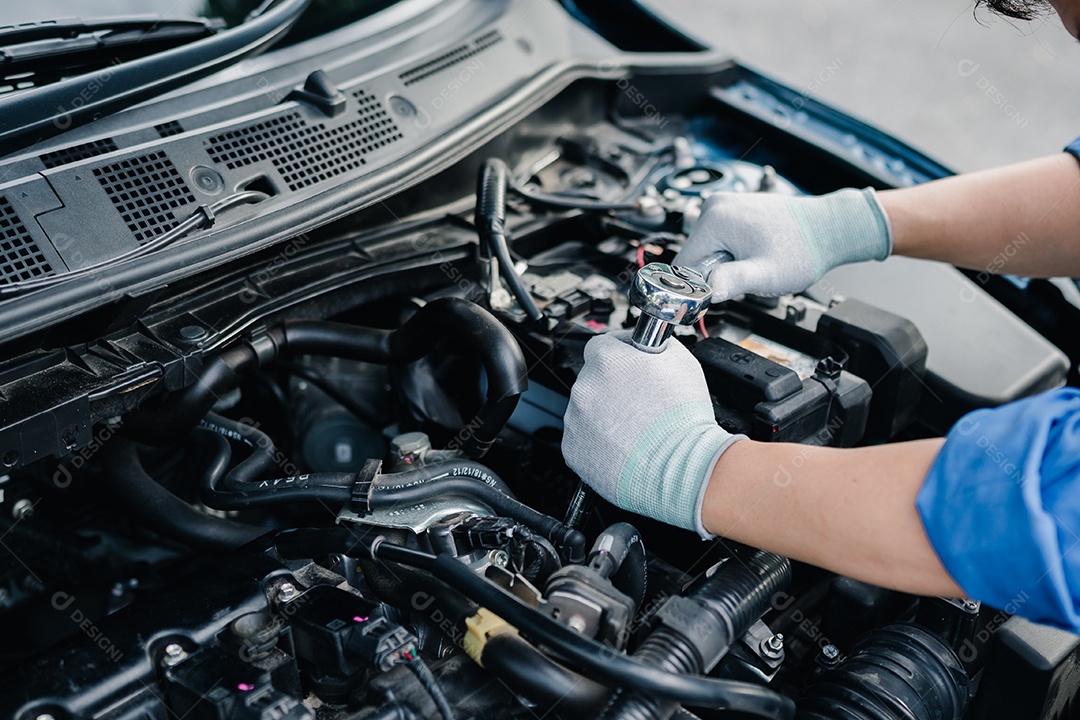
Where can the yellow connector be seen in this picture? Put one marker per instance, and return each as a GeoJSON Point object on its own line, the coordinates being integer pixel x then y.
{"type": "Point", "coordinates": [481, 627]}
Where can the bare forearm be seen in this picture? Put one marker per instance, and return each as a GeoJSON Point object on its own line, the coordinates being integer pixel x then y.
{"type": "Point", "coordinates": [1020, 219]}
{"type": "Point", "coordinates": [850, 511]}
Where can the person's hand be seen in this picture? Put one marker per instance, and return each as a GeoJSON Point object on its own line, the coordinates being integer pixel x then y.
{"type": "Point", "coordinates": [782, 244]}
{"type": "Point", "coordinates": [640, 429]}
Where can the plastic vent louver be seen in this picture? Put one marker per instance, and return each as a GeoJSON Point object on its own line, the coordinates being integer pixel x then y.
{"type": "Point", "coordinates": [169, 129]}
{"type": "Point", "coordinates": [145, 190]}
{"type": "Point", "coordinates": [306, 153]}
{"type": "Point", "coordinates": [450, 58]}
{"type": "Point", "coordinates": [71, 154]}
{"type": "Point", "coordinates": [20, 257]}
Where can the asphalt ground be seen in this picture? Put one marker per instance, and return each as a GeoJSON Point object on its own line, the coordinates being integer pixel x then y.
{"type": "Point", "coordinates": [971, 91]}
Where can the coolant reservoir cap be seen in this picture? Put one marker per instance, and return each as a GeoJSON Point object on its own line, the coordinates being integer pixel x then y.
{"type": "Point", "coordinates": [674, 294]}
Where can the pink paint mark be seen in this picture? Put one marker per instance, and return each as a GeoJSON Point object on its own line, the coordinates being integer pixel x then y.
{"type": "Point", "coordinates": [595, 325]}
{"type": "Point", "coordinates": [357, 618]}
{"type": "Point", "coordinates": [244, 687]}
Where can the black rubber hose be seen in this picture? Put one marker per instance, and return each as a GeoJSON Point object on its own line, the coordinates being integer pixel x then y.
{"type": "Point", "coordinates": [445, 469]}
{"type": "Point", "coordinates": [597, 659]}
{"type": "Point", "coordinates": [490, 219]}
{"type": "Point", "coordinates": [619, 554]}
{"type": "Point", "coordinates": [164, 426]}
{"type": "Point", "coordinates": [263, 457]}
{"type": "Point", "coordinates": [898, 672]}
{"type": "Point", "coordinates": [504, 363]}
{"type": "Point", "coordinates": [459, 478]}
{"type": "Point", "coordinates": [507, 375]}
{"type": "Point", "coordinates": [715, 615]}
{"type": "Point", "coordinates": [331, 489]}
{"type": "Point", "coordinates": [531, 674]}
{"type": "Point", "coordinates": [151, 505]}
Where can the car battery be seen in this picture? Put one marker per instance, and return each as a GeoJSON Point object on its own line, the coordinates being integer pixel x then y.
{"type": "Point", "coordinates": [768, 401]}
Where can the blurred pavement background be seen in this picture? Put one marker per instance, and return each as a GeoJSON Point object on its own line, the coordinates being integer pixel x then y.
{"type": "Point", "coordinates": [971, 95]}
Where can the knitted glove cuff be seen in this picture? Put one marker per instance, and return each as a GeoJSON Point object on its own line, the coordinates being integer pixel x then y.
{"type": "Point", "coordinates": [843, 227]}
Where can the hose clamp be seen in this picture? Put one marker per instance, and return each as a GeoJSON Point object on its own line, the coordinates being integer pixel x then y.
{"type": "Point", "coordinates": [360, 500]}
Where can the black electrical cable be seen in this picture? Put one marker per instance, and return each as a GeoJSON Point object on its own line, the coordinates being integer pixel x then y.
{"type": "Point", "coordinates": [430, 683]}
{"type": "Point", "coordinates": [597, 659]}
{"type": "Point", "coordinates": [491, 225]}
{"type": "Point", "coordinates": [203, 217]}
{"type": "Point", "coordinates": [151, 505]}
{"type": "Point", "coordinates": [569, 203]}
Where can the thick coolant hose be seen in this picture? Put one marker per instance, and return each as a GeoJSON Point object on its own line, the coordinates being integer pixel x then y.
{"type": "Point", "coordinates": [149, 504]}
{"type": "Point", "coordinates": [461, 478]}
{"type": "Point", "coordinates": [490, 219]}
{"type": "Point", "coordinates": [174, 419]}
{"type": "Point", "coordinates": [444, 318]}
{"type": "Point", "coordinates": [597, 660]}
{"type": "Point", "coordinates": [898, 672]}
{"type": "Point", "coordinates": [531, 674]}
{"type": "Point", "coordinates": [698, 631]}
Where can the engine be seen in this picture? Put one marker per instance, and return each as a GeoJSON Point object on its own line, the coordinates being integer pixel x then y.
{"type": "Point", "coordinates": [341, 492]}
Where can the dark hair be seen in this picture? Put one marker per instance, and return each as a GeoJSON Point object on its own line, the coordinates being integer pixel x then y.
{"type": "Point", "coordinates": [1020, 9]}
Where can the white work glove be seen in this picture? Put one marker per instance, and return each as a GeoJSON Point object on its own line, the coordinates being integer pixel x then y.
{"type": "Point", "coordinates": [640, 429]}
{"type": "Point", "coordinates": [783, 244]}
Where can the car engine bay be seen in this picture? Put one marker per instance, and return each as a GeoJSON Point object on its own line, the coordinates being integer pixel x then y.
{"type": "Point", "coordinates": [323, 480]}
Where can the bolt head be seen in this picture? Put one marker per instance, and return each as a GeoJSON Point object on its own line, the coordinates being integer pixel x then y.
{"type": "Point", "coordinates": [830, 653]}
{"type": "Point", "coordinates": [287, 591]}
{"type": "Point", "coordinates": [773, 646]}
{"type": "Point", "coordinates": [577, 624]}
{"type": "Point", "coordinates": [22, 508]}
{"type": "Point", "coordinates": [499, 558]}
{"type": "Point", "coordinates": [174, 653]}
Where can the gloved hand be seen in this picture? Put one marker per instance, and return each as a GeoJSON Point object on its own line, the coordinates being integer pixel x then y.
{"type": "Point", "coordinates": [783, 244]}
{"type": "Point", "coordinates": [640, 429]}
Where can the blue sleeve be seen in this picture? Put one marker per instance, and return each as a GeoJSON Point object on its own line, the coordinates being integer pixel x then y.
{"type": "Point", "coordinates": [1001, 506]}
{"type": "Point", "coordinates": [1073, 148]}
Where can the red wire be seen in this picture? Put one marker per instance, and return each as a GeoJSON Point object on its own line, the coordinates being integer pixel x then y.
{"type": "Point", "coordinates": [641, 256]}
{"type": "Point", "coordinates": [701, 327]}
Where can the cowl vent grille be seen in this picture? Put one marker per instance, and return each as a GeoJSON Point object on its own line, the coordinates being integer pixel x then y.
{"type": "Point", "coordinates": [20, 257]}
{"type": "Point", "coordinates": [307, 153]}
{"type": "Point", "coordinates": [450, 58]}
{"type": "Point", "coordinates": [75, 153]}
{"type": "Point", "coordinates": [145, 189]}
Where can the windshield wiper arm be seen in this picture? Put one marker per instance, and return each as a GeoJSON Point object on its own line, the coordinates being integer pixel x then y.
{"type": "Point", "coordinates": [32, 115]}
{"type": "Point", "coordinates": [67, 28]}
{"type": "Point", "coordinates": [35, 54]}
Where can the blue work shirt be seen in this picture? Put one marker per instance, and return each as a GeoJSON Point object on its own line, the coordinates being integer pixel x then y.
{"type": "Point", "coordinates": [1001, 506]}
{"type": "Point", "coordinates": [1074, 148]}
